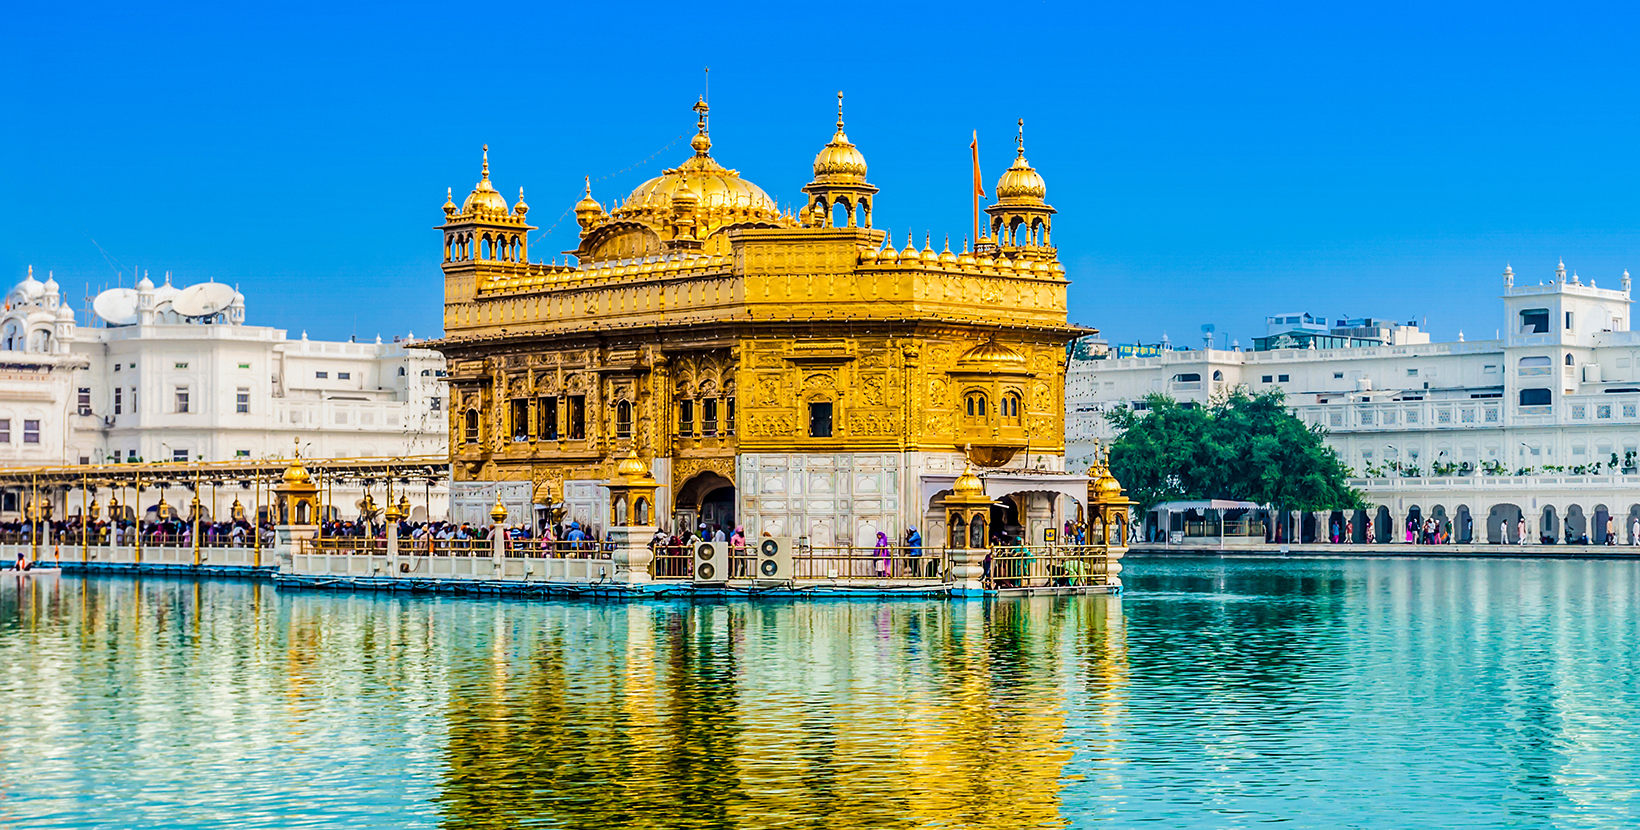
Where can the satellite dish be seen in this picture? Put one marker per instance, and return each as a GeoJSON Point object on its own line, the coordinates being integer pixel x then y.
{"type": "Point", "coordinates": [203, 300]}
{"type": "Point", "coordinates": [116, 306]}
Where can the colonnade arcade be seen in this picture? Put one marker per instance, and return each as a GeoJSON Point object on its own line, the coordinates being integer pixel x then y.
{"type": "Point", "coordinates": [1549, 522]}
{"type": "Point", "coordinates": [348, 490]}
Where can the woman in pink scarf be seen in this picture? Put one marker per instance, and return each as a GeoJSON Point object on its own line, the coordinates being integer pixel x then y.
{"type": "Point", "coordinates": [882, 551]}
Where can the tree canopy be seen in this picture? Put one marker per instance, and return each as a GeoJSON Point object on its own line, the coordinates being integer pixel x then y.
{"type": "Point", "coordinates": [1242, 446]}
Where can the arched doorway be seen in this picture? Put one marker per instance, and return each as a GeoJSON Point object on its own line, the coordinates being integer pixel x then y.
{"type": "Point", "coordinates": [1597, 532]}
{"type": "Point", "coordinates": [1413, 530]}
{"type": "Point", "coordinates": [1307, 531]}
{"type": "Point", "coordinates": [1463, 526]}
{"type": "Point", "coordinates": [1549, 525]}
{"type": "Point", "coordinates": [1501, 522]}
{"type": "Point", "coordinates": [1632, 532]}
{"type": "Point", "coordinates": [1438, 513]}
{"type": "Point", "coordinates": [1382, 531]}
{"type": "Point", "coordinates": [1577, 526]}
{"type": "Point", "coordinates": [706, 498]}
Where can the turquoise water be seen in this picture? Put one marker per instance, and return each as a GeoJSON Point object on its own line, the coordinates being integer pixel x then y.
{"type": "Point", "coordinates": [1215, 694]}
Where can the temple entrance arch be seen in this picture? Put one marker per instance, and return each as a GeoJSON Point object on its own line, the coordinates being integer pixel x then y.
{"type": "Point", "coordinates": [1549, 525]}
{"type": "Point", "coordinates": [1383, 529]}
{"type": "Point", "coordinates": [1463, 526]}
{"type": "Point", "coordinates": [705, 498]}
{"type": "Point", "coordinates": [1597, 529]}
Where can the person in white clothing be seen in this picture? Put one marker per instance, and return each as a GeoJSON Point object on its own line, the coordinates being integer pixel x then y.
{"type": "Point", "coordinates": [1520, 531]}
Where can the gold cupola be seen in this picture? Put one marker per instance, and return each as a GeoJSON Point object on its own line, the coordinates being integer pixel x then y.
{"type": "Point", "coordinates": [587, 211]}
{"type": "Point", "coordinates": [1021, 219]}
{"type": "Point", "coordinates": [519, 208]}
{"type": "Point", "coordinates": [840, 182]}
{"type": "Point", "coordinates": [485, 199]}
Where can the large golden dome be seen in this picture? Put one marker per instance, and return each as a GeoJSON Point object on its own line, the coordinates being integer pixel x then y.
{"type": "Point", "coordinates": [714, 186]}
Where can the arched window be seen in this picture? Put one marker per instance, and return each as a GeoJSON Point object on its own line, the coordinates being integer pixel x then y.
{"type": "Point", "coordinates": [974, 406]}
{"type": "Point", "coordinates": [958, 530]}
{"type": "Point", "coordinates": [1218, 375]}
{"type": "Point", "coordinates": [402, 372]}
{"type": "Point", "coordinates": [1568, 358]}
{"type": "Point", "coordinates": [470, 434]}
{"type": "Point", "coordinates": [640, 511]}
{"type": "Point", "coordinates": [1010, 407]}
{"type": "Point", "coordinates": [623, 419]}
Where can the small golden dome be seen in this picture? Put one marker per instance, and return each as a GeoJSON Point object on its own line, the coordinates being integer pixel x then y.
{"type": "Point", "coordinates": [992, 353]}
{"type": "Point", "coordinates": [519, 208]}
{"type": "Point", "coordinates": [498, 513]}
{"type": "Point", "coordinates": [1021, 182]}
{"type": "Point", "coordinates": [683, 197]}
{"type": "Point", "coordinates": [631, 466]}
{"type": "Point", "coordinates": [928, 254]}
{"type": "Point", "coordinates": [840, 159]}
{"type": "Point", "coordinates": [485, 199]}
{"type": "Point", "coordinates": [888, 255]}
{"type": "Point", "coordinates": [588, 209]}
{"type": "Point", "coordinates": [968, 485]}
{"type": "Point", "coordinates": [868, 255]}
{"type": "Point", "coordinates": [985, 261]}
{"type": "Point", "coordinates": [910, 255]}
{"type": "Point", "coordinates": [297, 474]}
{"type": "Point", "coordinates": [449, 201]}
{"type": "Point", "coordinates": [1107, 488]}
{"type": "Point", "coordinates": [946, 257]}
{"type": "Point", "coordinates": [966, 258]}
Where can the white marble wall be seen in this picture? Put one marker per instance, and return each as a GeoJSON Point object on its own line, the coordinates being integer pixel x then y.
{"type": "Point", "coordinates": [836, 499]}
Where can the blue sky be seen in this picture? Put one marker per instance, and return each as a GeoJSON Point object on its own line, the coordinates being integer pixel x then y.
{"type": "Point", "coordinates": [1209, 163]}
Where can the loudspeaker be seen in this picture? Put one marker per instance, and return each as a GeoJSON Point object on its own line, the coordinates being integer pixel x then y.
{"type": "Point", "coordinates": [711, 561]}
{"type": "Point", "coordinates": [774, 559]}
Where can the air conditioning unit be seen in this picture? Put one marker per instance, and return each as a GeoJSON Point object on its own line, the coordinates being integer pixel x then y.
{"type": "Point", "coordinates": [774, 559]}
{"type": "Point", "coordinates": [711, 562]}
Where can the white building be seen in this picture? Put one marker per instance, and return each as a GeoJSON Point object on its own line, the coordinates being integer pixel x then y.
{"type": "Point", "coordinates": [169, 374]}
{"type": "Point", "coordinates": [1464, 430]}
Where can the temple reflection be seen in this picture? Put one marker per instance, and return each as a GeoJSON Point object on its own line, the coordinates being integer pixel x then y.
{"type": "Point", "coordinates": [782, 714]}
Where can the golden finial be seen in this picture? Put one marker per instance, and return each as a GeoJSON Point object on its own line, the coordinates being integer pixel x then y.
{"type": "Point", "coordinates": [701, 142]}
{"type": "Point", "coordinates": [485, 170]}
{"type": "Point", "coordinates": [1021, 139]}
{"type": "Point", "coordinates": [839, 110]}
{"type": "Point", "coordinates": [589, 185]}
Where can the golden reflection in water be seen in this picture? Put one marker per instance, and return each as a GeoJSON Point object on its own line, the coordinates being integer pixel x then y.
{"type": "Point", "coordinates": [819, 714]}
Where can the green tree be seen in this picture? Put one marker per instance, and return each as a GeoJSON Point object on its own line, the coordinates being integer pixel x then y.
{"type": "Point", "coordinates": [1242, 446]}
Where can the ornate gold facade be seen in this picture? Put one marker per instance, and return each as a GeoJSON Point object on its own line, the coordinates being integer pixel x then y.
{"type": "Point", "coordinates": [701, 326]}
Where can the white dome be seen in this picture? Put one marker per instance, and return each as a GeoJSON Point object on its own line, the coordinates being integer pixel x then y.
{"type": "Point", "coordinates": [145, 284]}
{"type": "Point", "coordinates": [65, 313]}
{"type": "Point", "coordinates": [51, 286]}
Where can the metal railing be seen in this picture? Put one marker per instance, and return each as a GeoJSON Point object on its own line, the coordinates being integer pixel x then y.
{"type": "Point", "coordinates": [868, 563]}
{"type": "Point", "coordinates": [430, 546]}
{"type": "Point", "coordinates": [1048, 567]}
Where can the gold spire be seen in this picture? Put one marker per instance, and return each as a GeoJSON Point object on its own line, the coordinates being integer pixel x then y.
{"type": "Point", "coordinates": [701, 142]}
{"type": "Point", "coordinates": [484, 172]}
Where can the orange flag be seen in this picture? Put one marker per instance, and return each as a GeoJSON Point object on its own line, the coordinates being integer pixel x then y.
{"type": "Point", "coordinates": [979, 183]}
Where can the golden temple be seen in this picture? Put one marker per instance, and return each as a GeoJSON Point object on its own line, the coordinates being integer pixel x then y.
{"type": "Point", "coordinates": [796, 374]}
